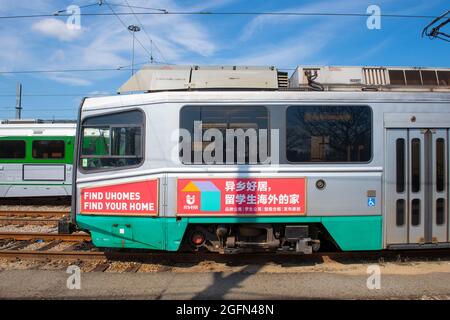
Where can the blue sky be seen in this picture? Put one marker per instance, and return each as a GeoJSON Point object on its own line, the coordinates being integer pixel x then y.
{"type": "Point", "coordinates": [282, 41]}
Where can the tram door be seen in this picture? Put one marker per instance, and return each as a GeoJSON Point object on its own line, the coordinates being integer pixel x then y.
{"type": "Point", "coordinates": [416, 186]}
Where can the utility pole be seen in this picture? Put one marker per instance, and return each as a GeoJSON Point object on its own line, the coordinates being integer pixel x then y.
{"type": "Point", "coordinates": [19, 101]}
{"type": "Point", "coordinates": [133, 29]}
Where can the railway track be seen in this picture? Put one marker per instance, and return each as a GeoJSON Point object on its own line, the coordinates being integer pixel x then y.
{"type": "Point", "coordinates": [33, 213]}
{"type": "Point", "coordinates": [87, 252]}
{"type": "Point", "coordinates": [29, 217]}
{"type": "Point", "coordinates": [28, 236]}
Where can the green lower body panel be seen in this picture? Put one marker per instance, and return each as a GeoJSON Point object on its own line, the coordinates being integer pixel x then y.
{"type": "Point", "coordinates": [355, 232]}
{"type": "Point", "coordinates": [351, 233]}
{"type": "Point", "coordinates": [134, 232]}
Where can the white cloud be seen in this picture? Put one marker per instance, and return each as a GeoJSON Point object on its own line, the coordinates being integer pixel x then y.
{"type": "Point", "coordinates": [192, 38]}
{"type": "Point", "coordinates": [261, 22]}
{"type": "Point", "coordinates": [103, 42]}
{"type": "Point", "coordinates": [56, 28]}
{"type": "Point", "coordinates": [302, 49]}
{"type": "Point", "coordinates": [70, 79]}
{"type": "Point", "coordinates": [99, 93]}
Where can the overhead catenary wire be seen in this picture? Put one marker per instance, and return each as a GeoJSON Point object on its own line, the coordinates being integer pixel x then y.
{"type": "Point", "coordinates": [152, 44]}
{"type": "Point", "coordinates": [64, 70]}
{"type": "Point", "coordinates": [121, 68]}
{"type": "Point", "coordinates": [127, 5]}
{"type": "Point", "coordinates": [81, 7]}
{"type": "Point", "coordinates": [138, 7]}
{"type": "Point", "coordinates": [126, 27]}
{"type": "Point", "coordinates": [209, 13]}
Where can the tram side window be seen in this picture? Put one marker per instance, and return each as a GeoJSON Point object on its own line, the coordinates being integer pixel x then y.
{"type": "Point", "coordinates": [48, 149]}
{"type": "Point", "coordinates": [12, 149]}
{"type": "Point", "coordinates": [224, 135]}
{"type": "Point", "coordinates": [112, 141]}
{"type": "Point", "coordinates": [329, 134]}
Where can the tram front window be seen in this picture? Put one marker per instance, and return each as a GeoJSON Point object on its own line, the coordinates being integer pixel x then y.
{"type": "Point", "coordinates": [112, 141]}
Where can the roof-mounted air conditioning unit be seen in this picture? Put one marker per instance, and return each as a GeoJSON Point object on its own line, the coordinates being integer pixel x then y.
{"type": "Point", "coordinates": [363, 78]}
{"type": "Point", "coordinates": [164, 78]}
{"type": "Point", "coordinates": [327, 75]}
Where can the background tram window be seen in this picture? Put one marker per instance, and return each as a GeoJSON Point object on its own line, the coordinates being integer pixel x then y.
{"type": "Point", "coordinates": [225, 118]}
{"type": "Point", "coordinates": [48, 149]}
{"type": "Point", "coordinates": [329, 134]}
{"type": "Point", "coordinates": [96, 141]}
{"type": "Point", "coordinates": [12, 149]}
{"type": "Point", "coordinates": [112, 141]}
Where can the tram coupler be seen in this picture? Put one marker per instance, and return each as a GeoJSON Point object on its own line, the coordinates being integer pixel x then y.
{"type": "Point", "coordinates": [303, 246]}
{"type": "Point", "coordinates": [299, 234]}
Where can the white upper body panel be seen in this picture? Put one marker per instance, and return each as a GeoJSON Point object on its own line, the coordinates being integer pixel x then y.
{"type": "Point", "coordinates": [38, 129]}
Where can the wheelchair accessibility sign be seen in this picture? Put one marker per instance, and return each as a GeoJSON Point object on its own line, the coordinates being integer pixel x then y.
{"type": "Point", "coordinates": [371, 202]}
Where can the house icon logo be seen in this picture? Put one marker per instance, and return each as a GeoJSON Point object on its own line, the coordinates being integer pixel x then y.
{"type": "Point", "coordinates": [202, 195]}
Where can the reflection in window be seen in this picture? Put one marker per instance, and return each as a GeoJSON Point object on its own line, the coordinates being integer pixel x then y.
{"type": "Point", "coordinates": [400, 152]}
{"type": "Point", "coordinates": [12, 149]}
{"type": "Point", "coordinates": [113, 140]}
{"type": "Point", "coordinates": [440, 165]}
{"type": "Point", "coordinates": [96, 141]}
{"type": "Point", "coordinates": [415, 165]}
{"type": "Point", "coordinates": [48, 149]}
{"type": "Point", "coordinates": [243, 131]}
{"type": "Point", "coordinates": [329, 133]}
{"type": "Point", "coordinates": [400, 212]}
{"type": "Point", "coordinates": [440, 211]}
{"type": "Point", "coordinates": [415, 212]}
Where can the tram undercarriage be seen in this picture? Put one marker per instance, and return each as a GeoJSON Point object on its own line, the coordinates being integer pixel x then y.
{"type": "Point", "coordinates": [239, 238]}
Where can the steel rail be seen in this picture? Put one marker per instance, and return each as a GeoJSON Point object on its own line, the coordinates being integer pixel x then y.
{"type": "Point", "coordinates": [21, 236]}
{"type": "Point", "coordinates": [27, 221]}
{"type": "Point", "coordinates": [31, 213]}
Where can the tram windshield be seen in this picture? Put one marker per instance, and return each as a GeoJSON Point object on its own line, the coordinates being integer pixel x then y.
{"type": "Point", "coordinates": [111, 141]}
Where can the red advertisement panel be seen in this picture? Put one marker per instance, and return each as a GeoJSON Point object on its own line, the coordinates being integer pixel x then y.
{"type": "Point", "coordinates": [134, 198]}
{"type": "Point", "coordinates": [235, 196]}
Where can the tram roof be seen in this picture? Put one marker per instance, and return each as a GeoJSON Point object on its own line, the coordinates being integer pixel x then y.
{"type": "Point", "coordinates": [155, 78]}
{"type": "Point", "coordinates": [261, 97]}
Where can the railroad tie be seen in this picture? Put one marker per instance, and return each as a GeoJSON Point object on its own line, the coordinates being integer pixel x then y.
{"type": "Point", "coordinates": [20, 245]}
{"type": "Point", "coordinates": [101, 267]}
{"type": "Point", "coordinates": [50, 245]}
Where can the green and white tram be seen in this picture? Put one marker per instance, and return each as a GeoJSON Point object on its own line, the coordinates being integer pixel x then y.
{"type": "Point", "coordinates": [356, 157]}
{"type": "Point", "coordinates": [36, 159]}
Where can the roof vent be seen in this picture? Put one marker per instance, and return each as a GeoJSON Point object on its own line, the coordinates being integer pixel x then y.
{"type": "Point", "coordinates": [374, 76]}
{"type": "Point", "coordinates": [283, 80]}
